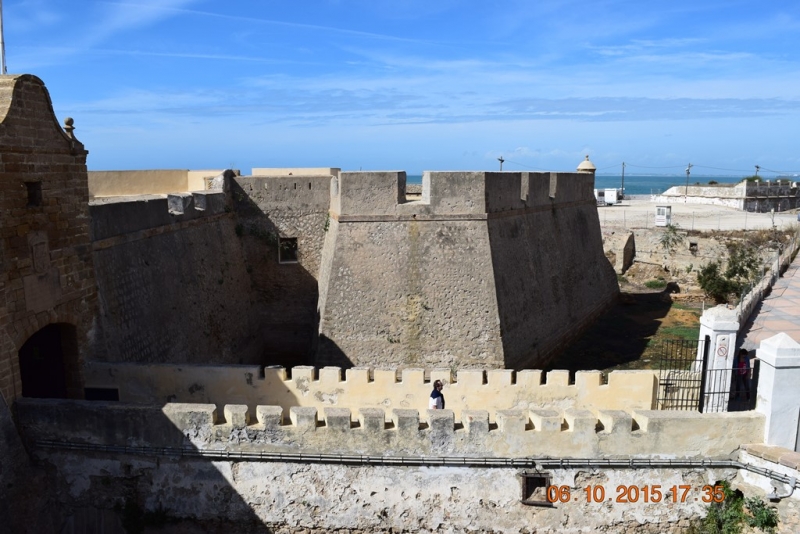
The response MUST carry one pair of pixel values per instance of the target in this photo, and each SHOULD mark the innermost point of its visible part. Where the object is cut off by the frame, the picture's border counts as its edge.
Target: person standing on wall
(436, 402)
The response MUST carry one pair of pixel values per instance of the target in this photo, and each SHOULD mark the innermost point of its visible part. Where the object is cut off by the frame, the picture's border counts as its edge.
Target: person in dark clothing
(742, 374)
(436, 402)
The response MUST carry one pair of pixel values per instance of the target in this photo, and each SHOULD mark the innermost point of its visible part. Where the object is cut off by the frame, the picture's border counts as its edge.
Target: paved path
(779, 312)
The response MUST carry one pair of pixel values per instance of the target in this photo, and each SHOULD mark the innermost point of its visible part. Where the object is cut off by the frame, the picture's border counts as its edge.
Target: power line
(648, 167)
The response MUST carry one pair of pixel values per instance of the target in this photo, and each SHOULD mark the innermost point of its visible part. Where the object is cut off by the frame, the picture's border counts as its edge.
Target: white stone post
(722, 325)
(779, 390)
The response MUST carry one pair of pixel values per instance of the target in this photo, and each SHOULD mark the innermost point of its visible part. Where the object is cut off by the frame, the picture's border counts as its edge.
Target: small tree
(743, 265)
(714, 283)
(742, 269)
(670, 238)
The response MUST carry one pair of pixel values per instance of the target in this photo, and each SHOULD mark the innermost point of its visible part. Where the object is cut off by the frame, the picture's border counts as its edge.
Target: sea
(639, 184)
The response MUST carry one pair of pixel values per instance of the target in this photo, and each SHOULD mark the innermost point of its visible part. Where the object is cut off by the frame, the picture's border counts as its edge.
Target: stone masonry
(47, 274)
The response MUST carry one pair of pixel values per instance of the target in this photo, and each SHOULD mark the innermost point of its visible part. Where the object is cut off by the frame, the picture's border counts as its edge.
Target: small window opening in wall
(101, 394)
(287, 250)
(534, 489)
(34, 194)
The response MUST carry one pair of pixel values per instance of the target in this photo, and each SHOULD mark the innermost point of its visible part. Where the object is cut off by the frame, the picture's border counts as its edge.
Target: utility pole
(623, 181)
(686, 193)
(501, 160)
(758, 168)
(3, 69)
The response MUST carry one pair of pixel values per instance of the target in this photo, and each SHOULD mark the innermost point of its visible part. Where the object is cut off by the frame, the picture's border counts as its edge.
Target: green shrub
(670, 238)
(761, 516)
(743, 267)
(713, 282)
(727, 516)
(659, 283)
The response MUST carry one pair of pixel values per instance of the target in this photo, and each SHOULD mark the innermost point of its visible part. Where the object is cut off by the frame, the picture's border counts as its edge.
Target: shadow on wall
(333, 354)
(289, 292)
(45, 490)
(165, 486)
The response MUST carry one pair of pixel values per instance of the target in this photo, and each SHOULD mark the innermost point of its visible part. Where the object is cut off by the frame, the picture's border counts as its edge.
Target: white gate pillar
(778, 391)
(721, 325)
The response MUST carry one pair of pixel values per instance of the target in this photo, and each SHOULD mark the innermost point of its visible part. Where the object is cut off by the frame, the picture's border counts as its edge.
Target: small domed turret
(587, 166)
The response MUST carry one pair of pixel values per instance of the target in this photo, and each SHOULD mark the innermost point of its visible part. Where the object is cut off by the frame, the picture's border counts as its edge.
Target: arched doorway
(48, 363)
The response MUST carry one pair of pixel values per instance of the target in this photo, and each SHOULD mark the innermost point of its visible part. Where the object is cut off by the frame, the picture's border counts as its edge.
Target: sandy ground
(641, 214)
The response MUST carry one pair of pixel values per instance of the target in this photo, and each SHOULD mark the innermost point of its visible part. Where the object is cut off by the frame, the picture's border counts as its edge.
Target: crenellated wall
(571, 433)
(174, 281)
(490, 390)
(487, 269)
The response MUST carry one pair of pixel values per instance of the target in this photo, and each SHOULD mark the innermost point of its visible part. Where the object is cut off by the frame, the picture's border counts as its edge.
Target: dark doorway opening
(48, 363)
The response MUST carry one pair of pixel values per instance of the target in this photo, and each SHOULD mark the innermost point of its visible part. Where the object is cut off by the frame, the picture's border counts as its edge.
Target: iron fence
(686, 383)
(681, 374)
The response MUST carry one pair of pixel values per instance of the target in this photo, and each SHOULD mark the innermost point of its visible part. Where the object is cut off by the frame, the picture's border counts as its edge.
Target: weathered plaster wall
(550, 276)
(300, 498)
(491, 390)
(46, 272)
(620, 249)
(411, 293)
(573, 433)
(26, 500)
(292, 494)
(269, 208)
(174, 283)
(487, 269)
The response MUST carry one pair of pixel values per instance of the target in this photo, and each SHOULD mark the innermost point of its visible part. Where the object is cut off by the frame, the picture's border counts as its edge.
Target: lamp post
(3, 69)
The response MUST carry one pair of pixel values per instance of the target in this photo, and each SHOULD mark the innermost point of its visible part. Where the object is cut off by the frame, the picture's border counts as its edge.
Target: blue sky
(420, 85)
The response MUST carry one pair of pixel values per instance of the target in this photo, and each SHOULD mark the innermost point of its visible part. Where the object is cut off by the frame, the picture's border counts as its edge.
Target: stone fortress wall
(407, 469)
(508, 262)
(173, 279)
(537, 433)
(485, 269)
(497, 269)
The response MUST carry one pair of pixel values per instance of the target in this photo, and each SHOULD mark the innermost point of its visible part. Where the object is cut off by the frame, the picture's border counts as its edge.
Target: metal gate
(681, 374)
(686, 383)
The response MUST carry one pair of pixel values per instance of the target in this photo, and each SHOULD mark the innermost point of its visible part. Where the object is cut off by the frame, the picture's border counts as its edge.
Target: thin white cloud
(296, 25)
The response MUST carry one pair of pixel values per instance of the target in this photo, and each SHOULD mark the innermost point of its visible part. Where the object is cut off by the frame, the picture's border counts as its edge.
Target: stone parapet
(517, 433)
(467, 389)
(125, 215)
(449, 194)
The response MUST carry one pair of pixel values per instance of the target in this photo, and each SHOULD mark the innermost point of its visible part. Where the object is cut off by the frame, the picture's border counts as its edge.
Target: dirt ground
(624, 337)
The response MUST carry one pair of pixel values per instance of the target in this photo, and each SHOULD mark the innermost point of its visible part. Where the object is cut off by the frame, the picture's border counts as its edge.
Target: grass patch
(659, 283)
(680, 332)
